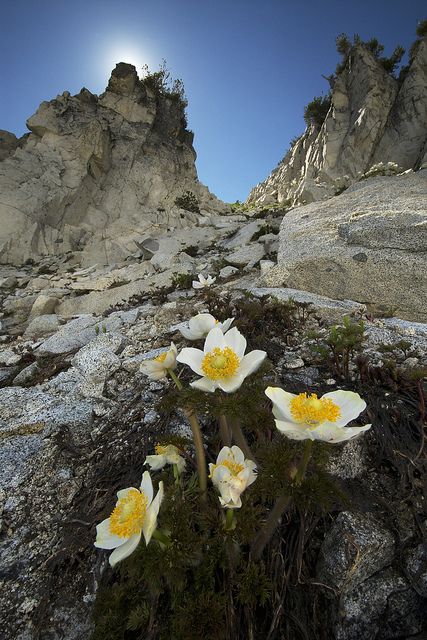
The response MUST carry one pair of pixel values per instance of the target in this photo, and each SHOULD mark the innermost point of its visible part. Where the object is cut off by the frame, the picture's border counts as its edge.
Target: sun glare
(125, 53)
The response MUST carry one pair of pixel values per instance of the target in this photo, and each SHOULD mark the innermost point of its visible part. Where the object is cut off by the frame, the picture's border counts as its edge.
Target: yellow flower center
(312, 410)
(160, 449)
(220, 363)
(161, 357)
(128, 515)
(234, 467)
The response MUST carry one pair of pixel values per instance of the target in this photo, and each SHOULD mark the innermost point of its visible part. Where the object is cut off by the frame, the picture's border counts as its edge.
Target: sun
(131, 54)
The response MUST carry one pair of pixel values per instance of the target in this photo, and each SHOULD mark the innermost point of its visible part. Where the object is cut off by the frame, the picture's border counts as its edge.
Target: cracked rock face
(372, 119)
(369, 244)
(96, 173)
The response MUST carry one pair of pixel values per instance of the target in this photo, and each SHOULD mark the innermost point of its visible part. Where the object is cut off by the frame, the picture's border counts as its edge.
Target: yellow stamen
(161, 357)
(160, 449)
(234, 467)
(220, 363)
(312, 410)
(129, 513)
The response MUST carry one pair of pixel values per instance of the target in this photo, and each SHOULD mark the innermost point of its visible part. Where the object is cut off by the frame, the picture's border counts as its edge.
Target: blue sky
(248, 66)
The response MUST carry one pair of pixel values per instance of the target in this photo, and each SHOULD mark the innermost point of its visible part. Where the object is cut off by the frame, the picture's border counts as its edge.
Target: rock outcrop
(369, 244)
(98, 175)
(373, 120)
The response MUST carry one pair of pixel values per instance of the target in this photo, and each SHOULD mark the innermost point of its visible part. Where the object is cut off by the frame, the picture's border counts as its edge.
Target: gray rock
(26, 375)
(43, 305)
(72, 336)
(354, 549)
(243, 236)
(227, 272)
(42, 325)
(386, 219)
(8, 357)
(96, 362)
(246, 256)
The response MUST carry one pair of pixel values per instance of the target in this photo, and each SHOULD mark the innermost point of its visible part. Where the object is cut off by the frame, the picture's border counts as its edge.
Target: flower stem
(224, 431)
(230, 522)
(302, 467)
(240, 439)
(197, 439)
(282, 503)
(175, 378)
(263, 537)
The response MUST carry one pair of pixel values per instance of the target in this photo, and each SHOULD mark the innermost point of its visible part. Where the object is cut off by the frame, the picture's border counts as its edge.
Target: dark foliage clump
(188, 201)
(315, 112)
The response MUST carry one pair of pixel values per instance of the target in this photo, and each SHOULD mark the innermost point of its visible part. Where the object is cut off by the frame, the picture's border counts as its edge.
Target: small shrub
(182, 281)
(421, 30)
(188, 201)
(316, 111)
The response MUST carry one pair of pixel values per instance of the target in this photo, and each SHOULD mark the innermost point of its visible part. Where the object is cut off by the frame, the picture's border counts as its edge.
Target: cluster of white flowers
(222, 364)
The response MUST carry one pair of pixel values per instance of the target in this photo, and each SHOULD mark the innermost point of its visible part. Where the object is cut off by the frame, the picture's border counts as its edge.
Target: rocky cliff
(98, 174)
(373, 119)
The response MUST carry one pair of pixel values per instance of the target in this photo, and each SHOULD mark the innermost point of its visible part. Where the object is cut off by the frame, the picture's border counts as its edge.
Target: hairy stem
(302, 467)
(224, 431)
(240, 439)
(263, 536)
(282, 503)
(197, 439)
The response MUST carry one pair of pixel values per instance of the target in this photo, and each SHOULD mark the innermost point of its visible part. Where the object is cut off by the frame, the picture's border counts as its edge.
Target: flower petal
(236, 341)
(202, 323)
(251, 362)
(238, 454)
(350, 404)
(156, 462)
(215, 338)
(333, 434)
(150, 520)
(193, 358)
(122, 552)
(204, 384)
(197, 285)
(224, 454)
(281, 400)
(293, 431)
(147, 486)
(231, 384)
(226, 324)
(105, 539)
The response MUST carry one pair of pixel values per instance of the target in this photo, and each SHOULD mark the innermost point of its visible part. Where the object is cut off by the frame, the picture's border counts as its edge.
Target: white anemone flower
(200, 325)
(231, 474)
(158, 368)
(222, 363)
(165, 454)
(134, 515)
(203, 282)
(303, 417)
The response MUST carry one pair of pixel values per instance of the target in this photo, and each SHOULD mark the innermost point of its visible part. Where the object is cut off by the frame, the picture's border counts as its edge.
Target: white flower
(302, 417)
(203, 282)
(200, 325)
(222, 364)
(168, 454)
(158, 368)
(135, 514)
(231, 474)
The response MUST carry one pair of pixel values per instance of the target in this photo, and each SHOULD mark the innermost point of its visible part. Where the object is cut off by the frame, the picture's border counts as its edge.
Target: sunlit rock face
(97, 174)
(372, 119)
(368, 244)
